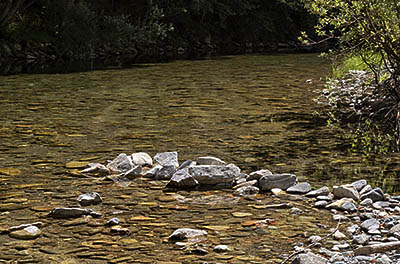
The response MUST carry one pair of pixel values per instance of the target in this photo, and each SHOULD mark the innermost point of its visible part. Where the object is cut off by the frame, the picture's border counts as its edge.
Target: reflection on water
(254, 111)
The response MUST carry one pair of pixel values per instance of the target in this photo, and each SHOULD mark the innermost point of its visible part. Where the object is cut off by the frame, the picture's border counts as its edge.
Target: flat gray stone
(323, 191)
(209, 161)
(141, 159)
(345, 191)
(309, 258)
(339, 203)
(301, 188)
(281, 181)
(256, 175)
(167, 159)
(182, 180)
(134, 172)
(377, 248)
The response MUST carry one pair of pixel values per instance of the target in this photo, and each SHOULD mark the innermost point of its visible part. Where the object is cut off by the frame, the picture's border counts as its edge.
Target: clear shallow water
(254, 111)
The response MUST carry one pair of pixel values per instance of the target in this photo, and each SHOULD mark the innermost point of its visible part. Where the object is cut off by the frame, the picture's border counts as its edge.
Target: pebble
(29, 232)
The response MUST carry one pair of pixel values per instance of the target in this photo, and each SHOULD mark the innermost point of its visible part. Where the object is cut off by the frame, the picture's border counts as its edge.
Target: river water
(255, 111)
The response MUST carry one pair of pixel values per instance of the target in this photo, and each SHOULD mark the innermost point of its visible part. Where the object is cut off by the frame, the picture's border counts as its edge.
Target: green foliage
(368, 36)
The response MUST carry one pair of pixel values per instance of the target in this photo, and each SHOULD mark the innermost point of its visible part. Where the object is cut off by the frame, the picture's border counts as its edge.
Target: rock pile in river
(371, 216)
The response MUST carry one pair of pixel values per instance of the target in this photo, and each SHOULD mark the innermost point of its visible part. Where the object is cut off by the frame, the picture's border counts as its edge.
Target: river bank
(39, 58)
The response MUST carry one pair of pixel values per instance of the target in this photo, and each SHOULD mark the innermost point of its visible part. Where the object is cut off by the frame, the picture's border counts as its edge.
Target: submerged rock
(186, 233)
(96, 168)
(29, 232)
(167, 159)
(281, 181)
(182, 180)
(65, 212)
(89, 199)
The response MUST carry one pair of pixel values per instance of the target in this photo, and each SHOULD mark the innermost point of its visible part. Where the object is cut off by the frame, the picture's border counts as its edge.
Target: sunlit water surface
(255, 111)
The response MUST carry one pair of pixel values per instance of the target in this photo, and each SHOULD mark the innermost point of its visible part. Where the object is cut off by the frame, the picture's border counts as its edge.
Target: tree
(9, 8)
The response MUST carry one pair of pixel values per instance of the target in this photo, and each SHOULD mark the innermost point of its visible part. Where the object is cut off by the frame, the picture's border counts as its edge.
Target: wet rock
(256, 175)
(247, 191)
(29, 232)
(301, 188)
(65, 212)
(214, 174)
(20, 227)
(281, 181)
(242, 178)
(89, 199)
(120, 164)
(221, 248)
(370, 224)
(323, 191)
(209, 161)
(375, 195)
(182, 180)
(186, 233)
(167, 159)
(345, 191)
(165, 173)
(113, 222)
(309, 258)
(361, 239)
(359, 185)
(96, 168)
(134, 172)
(141, 159)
